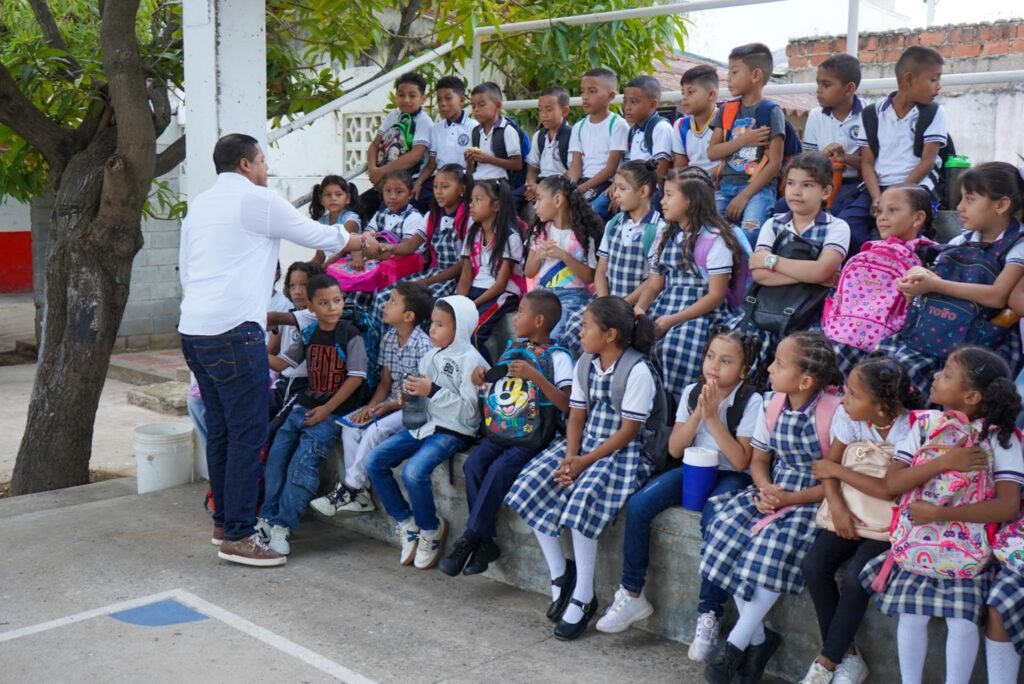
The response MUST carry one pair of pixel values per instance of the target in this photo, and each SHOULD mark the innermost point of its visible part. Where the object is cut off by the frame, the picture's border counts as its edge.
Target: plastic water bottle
(955, 167)
(414, 409)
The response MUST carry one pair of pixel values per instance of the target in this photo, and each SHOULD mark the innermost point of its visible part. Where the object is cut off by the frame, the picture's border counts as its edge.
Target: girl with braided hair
(874, 416)
(757, 539)
(563, 247)
(695, 259)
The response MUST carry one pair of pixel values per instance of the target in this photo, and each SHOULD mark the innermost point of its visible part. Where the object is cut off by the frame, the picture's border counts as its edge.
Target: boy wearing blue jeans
(335, 357)
(453, 418)
(752, 153)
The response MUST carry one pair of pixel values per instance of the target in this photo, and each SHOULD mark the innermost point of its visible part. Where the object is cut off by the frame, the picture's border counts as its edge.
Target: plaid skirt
(906, 592)
(571, 332)
(848, 356)
(769, 341)
(1007, 597)
(589, 504)
(739, 561)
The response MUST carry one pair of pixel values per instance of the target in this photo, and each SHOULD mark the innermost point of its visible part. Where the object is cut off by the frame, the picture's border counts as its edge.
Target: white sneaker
(705, 639)
(328, 504)
(624, 611)
(818, 675)
(263, 529)
(358, 501)
(428, 552)
(853, 670)
(279, 540)
(409, 535)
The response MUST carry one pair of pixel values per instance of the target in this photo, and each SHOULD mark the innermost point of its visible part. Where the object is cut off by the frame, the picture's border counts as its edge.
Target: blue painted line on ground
(159, 614)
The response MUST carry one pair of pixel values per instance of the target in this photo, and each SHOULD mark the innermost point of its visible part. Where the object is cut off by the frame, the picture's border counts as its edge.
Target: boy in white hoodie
(446, 377)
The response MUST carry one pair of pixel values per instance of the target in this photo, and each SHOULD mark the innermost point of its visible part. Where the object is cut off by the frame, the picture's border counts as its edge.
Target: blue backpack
(516, 179)
(939, 323)
(516, 412)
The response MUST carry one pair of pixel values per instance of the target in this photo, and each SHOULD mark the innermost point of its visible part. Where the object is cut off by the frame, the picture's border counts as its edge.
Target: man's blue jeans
(662, 493)
(424, 455)
(758, 208)
(231, 369)
(293, 466)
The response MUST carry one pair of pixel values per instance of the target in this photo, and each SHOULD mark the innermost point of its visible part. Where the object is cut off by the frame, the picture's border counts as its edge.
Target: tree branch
(53, 36)
(409, 15)
(52, 140)
(172, 155)
(156, 90)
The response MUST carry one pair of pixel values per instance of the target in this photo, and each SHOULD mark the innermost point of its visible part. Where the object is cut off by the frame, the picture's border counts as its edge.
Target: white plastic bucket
(163, 455)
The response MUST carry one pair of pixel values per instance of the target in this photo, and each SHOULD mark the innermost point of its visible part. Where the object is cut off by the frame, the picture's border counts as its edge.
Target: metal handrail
(349, 175)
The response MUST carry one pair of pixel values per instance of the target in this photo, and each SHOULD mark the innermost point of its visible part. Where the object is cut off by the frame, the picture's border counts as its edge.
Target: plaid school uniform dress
(817, 232)
(627, 269)
(1007, 596)
(680, 351)
(739, 561)
(847, 356)
(447, 250)
(601, 490)
(907, 592)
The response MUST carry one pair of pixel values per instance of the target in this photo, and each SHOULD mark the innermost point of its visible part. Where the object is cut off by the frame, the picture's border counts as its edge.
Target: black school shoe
(757, 658)
(567, 631)
(723, 669)
(567, 584)
(457, 557)
(486, 553)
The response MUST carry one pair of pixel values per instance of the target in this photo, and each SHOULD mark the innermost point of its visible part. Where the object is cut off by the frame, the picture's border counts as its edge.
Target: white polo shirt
(837, 233)
(823, 129)
(595, 141)
(693, 144)
(896, 157)
(544, 157)
(512, 149)
(449, 140)
(661, 143)
(230, 243)
(637, 399)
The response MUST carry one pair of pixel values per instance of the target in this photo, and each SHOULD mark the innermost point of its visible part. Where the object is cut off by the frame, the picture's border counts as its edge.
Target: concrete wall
(672, 587)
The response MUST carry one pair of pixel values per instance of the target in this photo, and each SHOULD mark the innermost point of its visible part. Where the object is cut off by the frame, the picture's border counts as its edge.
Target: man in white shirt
(229, 250)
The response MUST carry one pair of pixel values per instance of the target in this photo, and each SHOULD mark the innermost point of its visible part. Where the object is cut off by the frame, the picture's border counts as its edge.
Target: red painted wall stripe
(16, 262)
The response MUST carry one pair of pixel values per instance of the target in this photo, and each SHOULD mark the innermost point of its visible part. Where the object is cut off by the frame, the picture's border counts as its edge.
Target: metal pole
(474, 68)
(930, 17)
(853, 28)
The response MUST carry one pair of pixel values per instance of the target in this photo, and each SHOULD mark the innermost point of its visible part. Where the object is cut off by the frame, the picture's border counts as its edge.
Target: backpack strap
(620, 376)
(684, 130)
(734, 416)
(705, 241)
(691, 401)
(652, 122)
(341, 338)
(925, 117)
(650, 232)
(583, 373)
(869, 119)
(474, 136)
(825, 409)
(498, 147)
(773, 410)
(563, 137)
(730, 110)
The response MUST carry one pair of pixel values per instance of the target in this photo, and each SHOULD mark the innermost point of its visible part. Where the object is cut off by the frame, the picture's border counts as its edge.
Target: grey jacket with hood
(455, 406)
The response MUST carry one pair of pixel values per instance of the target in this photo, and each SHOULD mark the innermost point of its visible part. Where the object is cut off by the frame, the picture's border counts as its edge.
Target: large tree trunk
(95, 234)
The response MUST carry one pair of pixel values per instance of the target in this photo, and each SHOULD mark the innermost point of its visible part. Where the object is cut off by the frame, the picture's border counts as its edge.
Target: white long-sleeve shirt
(230, 243)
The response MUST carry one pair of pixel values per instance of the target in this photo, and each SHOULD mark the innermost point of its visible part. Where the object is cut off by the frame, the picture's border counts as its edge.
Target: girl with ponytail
(562, 247)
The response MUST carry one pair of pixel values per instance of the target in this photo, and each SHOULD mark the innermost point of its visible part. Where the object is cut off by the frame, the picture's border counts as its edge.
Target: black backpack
(926, 114)
(734, 416)
(781, 309)
(563, 137)
(515, 178)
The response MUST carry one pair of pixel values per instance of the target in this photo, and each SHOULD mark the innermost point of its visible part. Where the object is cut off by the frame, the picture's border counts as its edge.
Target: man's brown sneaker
(218, 536)
(250, 551)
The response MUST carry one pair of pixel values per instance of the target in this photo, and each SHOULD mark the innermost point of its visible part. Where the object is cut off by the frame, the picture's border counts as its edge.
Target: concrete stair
(165, 397)
(162, 377)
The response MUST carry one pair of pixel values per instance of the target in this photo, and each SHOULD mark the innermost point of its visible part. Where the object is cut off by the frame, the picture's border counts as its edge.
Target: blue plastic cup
(700, 473)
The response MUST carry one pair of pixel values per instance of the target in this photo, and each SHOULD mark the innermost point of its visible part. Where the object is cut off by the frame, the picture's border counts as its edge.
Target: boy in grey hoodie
(453, 418)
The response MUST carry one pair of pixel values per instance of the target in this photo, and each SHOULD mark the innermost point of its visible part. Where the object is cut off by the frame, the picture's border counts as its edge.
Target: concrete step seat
(672, 586)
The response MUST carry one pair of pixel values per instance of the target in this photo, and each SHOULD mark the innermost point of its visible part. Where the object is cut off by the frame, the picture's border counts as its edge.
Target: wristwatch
(770, 261)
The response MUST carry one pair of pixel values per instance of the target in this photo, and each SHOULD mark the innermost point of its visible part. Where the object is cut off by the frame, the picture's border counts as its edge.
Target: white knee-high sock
(912, 644)
(585, 551)
(1003, 662)
(749, 629)
(962, 639)
(551, 547)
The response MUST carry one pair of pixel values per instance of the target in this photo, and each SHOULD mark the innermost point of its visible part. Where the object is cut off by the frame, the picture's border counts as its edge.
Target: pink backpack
(737, 285)
(1008, 546)
(867, 307)
(376, 274)
(947, 550)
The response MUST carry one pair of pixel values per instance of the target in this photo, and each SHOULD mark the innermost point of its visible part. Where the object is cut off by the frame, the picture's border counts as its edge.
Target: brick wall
(151, 314)
(965, 45)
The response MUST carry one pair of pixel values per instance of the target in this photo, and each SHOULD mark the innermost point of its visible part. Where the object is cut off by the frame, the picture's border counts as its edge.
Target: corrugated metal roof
(668, 76)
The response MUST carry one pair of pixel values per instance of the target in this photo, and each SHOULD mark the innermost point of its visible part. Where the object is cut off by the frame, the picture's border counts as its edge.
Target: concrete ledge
(14, 506)
(672, 587)
(165, 397)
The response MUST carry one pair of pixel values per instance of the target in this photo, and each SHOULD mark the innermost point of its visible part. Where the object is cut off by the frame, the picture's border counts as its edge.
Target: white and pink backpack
(867, 307)
(943, 549)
